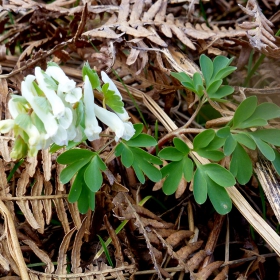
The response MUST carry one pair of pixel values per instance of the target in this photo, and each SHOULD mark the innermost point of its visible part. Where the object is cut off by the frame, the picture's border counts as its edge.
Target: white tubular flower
(111, 120)
(106, 79)
(129, 130)
(66, 85)
(92, 129)
(66, 119)
(6, 125)
(45, 116)
(58, 107)
(60, 138)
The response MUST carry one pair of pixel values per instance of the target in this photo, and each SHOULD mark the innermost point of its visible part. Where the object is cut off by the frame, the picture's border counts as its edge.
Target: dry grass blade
(267, 177)
(12, 240)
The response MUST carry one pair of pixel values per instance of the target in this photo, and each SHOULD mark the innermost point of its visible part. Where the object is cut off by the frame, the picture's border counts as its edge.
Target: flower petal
(111, 120)
(47, 118)
(58, 107)
(92, 129)
(6, 125)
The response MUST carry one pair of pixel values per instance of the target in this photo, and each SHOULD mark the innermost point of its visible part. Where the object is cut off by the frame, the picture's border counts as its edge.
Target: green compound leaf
(219, 197)
(181, 146)
(222, 92)
(93, 175)
(143, 162)
(241, 165)
(219, 63)
(213, 87)
(191, 87)
(138, 129)
(173, 173)
(223, 132)
(71, 156)
(142, 140)
(265, 149)
(171, 153)
(252, 123)
(187, 168)
(216, 143)
(203, 139)
(113, 100)
(83, 201)
(182, 77)
(200, 186)
(219, 174)
(211, 154)
(244, 139)
(86, 201)
(77, 185)
(126, 154)
(230, 145)
(92, 75)
(244, 111)
(206, 66)
(266, 111)
(225, 72)
(197, 80)
(271, 136)
(68, 172)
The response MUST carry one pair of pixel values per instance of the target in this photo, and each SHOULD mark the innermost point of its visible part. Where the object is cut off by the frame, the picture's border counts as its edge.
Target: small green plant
(52, 111)
(209, 83)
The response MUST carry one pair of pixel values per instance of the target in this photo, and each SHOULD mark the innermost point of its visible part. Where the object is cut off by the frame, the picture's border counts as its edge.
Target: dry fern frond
(260, 33)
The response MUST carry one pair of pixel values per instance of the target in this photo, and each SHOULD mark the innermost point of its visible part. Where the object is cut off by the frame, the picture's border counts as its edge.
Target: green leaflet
(219, 174)
(219, 197)
(244, 111)
(173, 173)
(71, 156)
(142, 140)
(199, 186)
(92, 75)
(203, 139)
(77, 186)
(241, 165)
(112, 99)
(68, 172)
(93, 175)
(207, 68)
(171, 153)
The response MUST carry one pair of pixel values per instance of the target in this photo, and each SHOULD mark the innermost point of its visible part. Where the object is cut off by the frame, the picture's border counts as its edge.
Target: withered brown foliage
(143, 41)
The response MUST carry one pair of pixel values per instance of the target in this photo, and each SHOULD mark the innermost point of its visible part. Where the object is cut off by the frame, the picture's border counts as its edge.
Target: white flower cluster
(53, 110)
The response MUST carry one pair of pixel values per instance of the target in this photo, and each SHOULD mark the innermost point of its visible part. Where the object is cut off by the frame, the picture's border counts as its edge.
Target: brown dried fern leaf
(259, 31)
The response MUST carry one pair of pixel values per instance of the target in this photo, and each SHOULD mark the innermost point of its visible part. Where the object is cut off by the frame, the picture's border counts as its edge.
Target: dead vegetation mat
(42, 235)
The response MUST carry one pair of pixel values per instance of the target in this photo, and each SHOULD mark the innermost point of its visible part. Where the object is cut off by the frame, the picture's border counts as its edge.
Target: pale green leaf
(199, 186)
(181, 146)
(173, 173)
(203, 139)
(73, 155)
(219, 197)
(244, 111)
(206, 66)
(241, 165)
(219, 174)
(170, 153)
